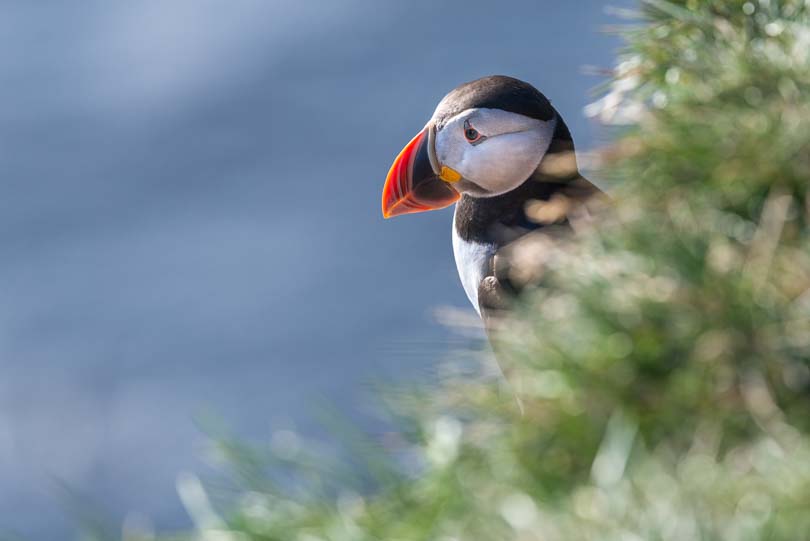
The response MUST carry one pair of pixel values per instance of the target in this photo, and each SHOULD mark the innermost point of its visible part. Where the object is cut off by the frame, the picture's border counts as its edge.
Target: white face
(507, 149)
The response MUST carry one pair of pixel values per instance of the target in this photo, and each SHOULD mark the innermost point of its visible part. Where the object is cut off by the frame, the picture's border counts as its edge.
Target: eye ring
(470, 133)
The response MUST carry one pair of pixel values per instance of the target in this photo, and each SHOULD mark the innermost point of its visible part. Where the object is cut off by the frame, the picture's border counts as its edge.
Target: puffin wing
(510, 271)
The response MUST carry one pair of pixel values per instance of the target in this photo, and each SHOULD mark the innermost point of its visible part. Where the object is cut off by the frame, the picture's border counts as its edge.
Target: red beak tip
(389, 212)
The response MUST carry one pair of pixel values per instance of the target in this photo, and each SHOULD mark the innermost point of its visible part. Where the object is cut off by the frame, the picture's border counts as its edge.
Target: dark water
(190, 222)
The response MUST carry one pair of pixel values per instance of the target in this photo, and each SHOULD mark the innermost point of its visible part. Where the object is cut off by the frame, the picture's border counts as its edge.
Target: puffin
(497, 149)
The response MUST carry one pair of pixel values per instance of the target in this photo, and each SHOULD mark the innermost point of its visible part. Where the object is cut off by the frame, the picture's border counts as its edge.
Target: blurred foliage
(664, 362)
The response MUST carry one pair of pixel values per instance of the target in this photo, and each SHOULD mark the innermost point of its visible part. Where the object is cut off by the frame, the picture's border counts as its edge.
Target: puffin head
(486, 138)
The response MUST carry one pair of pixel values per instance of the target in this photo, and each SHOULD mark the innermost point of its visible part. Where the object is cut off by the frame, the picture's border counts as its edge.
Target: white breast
(472, 260)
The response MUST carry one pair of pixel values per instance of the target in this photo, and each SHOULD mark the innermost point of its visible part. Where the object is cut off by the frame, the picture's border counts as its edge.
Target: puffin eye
(470, 133)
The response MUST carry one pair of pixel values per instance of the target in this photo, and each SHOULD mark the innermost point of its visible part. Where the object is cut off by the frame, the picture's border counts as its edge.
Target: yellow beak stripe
(449, 175)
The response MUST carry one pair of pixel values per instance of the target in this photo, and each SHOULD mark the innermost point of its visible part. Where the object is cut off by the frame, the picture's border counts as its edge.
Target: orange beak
(413, 185)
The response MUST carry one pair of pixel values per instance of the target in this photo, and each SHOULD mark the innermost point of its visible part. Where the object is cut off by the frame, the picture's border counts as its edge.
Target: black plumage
(495, 92)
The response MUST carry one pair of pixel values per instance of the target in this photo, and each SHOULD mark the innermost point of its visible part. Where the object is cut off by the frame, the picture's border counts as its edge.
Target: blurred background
(190, 222)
